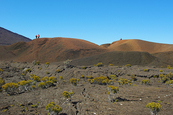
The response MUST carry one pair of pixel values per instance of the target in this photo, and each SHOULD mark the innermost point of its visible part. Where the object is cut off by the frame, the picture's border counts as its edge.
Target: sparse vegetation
(10, 88)
(146, 70)
(122, 81)
(161, 70)
(128, 65)
(47, 64)
(111, 64)
(154, 107)
(74, 81)
(53, 109)
(111, 92)
(28, 70)
(99, 64)
(35, 78)
(58, 70)
(145, 81)
(67, 94)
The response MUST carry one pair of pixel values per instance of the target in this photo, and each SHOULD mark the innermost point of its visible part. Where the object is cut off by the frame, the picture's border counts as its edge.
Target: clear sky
(97, 21)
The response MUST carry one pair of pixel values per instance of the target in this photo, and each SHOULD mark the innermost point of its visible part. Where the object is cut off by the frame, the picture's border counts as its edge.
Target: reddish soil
(140, 45)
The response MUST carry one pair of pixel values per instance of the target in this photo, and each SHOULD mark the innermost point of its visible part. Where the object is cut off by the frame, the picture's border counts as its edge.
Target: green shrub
(154, 107)
(102, 80)
(37, 63)
(112, 77)
(33, 87)
(53, 79)
(169, 83)
(122, 81)
(27, 70)
(2, 82)
(83, 67)
(146, 70)
(89, 77)
(44, 79)
(61, 78)
(47, 64)
(34, 106)
(133, 78)
(99, 64)
(35, 78)
(145, 81)
(74, 81)
(111, 64)
(82, 76)
(42, 85)
(22, 74)
(1, 70)
(161, 70)
(25, 85)
(112, 90)
(128, 65)
(53, 109)
(67, 94)
(164, 78)
(58, 70)
(10, 88)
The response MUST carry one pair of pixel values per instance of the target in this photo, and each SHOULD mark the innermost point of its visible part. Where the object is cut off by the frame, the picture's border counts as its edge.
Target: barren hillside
(7, 37)
(139, 45)
(51, 49)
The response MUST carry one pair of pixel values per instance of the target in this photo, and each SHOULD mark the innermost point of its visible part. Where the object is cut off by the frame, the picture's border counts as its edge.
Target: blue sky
(97, 21)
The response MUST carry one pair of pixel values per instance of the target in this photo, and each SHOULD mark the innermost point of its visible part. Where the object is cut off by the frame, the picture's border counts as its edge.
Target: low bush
(102, 80)
(2, 82)
(111, 64)
(53, 79)
(128, 65)
(169, 83)
(161, 71)
(99, 64)
(112, 90)
(47, 64)
(154, 107)
(82, 76)
(37, 63)
(133, 78)
(25, 85)
(53, 109)
(58, 70)
(61, 78)
(146, 70)
(35, 78)
(122, 81)
(74, 81)
(27, 70)
(10, 88)
(145, 81)
(90, 77)
(1, 71)
(44, 79)
(67, 94)
(42, 85)
(113, 77)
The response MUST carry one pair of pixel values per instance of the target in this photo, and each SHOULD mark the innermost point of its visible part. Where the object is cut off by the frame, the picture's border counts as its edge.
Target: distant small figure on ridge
(38, 36)
(120, 38)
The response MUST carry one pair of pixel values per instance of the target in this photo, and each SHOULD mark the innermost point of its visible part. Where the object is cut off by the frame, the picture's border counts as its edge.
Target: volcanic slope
(139, 45)
(120, 58)
(51, 50)
(7, 37)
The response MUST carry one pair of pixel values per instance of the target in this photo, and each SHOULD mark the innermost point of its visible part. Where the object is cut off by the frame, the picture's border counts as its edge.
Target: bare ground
(88, 99)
